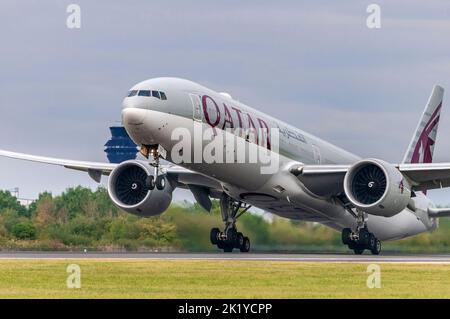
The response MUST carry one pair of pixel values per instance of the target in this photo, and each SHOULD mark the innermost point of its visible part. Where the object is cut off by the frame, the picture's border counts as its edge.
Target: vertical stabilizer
(421, 147)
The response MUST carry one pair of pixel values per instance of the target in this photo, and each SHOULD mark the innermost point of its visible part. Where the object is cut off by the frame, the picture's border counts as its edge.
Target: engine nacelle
(377, 188)
(129, 189)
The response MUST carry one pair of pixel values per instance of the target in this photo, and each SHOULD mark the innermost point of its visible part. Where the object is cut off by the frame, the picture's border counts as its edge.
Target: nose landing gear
(361, 239)
(230, 238)
(157, 180)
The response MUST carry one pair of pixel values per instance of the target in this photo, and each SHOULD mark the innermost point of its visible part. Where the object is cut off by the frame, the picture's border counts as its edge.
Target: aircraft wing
(326, 180)
(201, 186)
(427, 175)
(104, 168)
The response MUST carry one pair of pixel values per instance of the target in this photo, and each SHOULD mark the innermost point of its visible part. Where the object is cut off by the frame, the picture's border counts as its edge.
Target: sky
(313, 64)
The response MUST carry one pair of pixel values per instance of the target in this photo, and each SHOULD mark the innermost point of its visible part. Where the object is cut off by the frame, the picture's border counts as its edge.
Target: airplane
(368, 200)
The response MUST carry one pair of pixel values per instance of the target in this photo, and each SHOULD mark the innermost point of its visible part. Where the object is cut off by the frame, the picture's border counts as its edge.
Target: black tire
(364, 236)
(231, 236)
(150, 182)
(214, 235)
(358, 251)
(160, 182)
(372, 242)
(245, 248)
(239, 240)
(377, 248)
(228, 249)
(346, 232)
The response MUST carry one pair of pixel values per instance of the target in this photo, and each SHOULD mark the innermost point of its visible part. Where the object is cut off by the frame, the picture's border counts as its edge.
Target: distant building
(23, 201)
(120, 147)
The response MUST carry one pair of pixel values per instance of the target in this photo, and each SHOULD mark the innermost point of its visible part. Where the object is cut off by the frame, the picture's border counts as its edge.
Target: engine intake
(368, 184)
(131, 185)
(377, 188)
(129, 189)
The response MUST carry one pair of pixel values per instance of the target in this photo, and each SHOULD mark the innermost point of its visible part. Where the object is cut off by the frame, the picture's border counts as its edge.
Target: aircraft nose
(133, 116)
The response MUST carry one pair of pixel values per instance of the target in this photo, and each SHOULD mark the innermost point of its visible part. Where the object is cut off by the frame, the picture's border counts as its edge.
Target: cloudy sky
(315, 65)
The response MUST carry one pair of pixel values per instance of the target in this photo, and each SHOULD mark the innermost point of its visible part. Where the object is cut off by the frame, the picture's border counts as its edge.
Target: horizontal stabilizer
(438, 212)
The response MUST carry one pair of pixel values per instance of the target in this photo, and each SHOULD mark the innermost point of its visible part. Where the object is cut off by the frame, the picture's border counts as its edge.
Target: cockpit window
(149, 93)
(156, 94)
(132, 93)
(144, 93)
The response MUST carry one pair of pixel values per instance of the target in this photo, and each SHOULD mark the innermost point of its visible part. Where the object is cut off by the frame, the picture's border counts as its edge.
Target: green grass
(219, 279)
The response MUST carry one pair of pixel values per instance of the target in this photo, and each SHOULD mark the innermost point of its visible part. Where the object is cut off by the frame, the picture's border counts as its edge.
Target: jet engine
(377, 188)
(132, 188)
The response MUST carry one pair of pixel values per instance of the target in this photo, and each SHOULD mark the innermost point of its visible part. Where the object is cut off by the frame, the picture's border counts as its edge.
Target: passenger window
(156, 94)
(132, 93)
(144, 93)
(163, 96)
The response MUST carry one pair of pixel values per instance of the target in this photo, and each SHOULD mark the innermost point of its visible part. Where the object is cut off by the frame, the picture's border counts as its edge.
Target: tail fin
(421, 147)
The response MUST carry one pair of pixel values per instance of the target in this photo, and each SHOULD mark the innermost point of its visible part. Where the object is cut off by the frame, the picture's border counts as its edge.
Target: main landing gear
(230, 238)
(361, 239)
(157, 180)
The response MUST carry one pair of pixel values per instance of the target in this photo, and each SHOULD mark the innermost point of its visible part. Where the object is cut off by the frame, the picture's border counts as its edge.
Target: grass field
(219, 279)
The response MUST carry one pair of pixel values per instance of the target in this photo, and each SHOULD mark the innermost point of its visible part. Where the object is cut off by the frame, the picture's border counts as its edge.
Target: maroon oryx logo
(422, 151)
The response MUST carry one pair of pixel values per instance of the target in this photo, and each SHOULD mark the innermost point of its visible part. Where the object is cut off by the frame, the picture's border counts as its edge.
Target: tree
(73, 201)
(104, 205)
(9, 201)
(24, 230)
(33, 206)
(45, 211)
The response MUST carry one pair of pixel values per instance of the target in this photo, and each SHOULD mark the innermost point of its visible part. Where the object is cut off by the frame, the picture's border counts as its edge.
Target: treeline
(81, 219)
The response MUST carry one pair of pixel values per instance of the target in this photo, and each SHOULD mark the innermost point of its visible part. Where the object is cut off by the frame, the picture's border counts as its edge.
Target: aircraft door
(197, 107)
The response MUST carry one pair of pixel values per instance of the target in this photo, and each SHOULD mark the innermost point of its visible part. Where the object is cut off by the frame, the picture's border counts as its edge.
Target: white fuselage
(190, 106)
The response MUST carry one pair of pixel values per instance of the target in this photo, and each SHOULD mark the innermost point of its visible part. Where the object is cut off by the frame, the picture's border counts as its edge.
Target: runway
(385, 258)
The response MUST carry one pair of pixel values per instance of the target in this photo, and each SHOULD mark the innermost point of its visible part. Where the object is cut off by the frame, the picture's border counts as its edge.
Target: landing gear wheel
(346, 233)
(239, 240)
(377, 248)
(372, 242)
(228, 249)
(214, 236)
(245, 248)
(230, 238)
(160, 182)
(352, 245)
(150, 182)
(364, 238)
